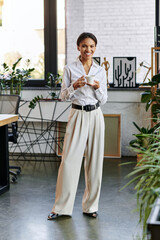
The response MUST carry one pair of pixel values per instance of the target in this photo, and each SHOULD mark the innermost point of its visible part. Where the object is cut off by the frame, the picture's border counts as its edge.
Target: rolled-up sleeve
(101, 92)
(67, 89)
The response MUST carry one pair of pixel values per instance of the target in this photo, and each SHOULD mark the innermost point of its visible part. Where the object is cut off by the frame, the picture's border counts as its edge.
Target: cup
(90, 78)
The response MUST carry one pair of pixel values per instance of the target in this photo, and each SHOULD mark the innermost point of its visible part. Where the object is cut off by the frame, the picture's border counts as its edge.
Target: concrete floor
(24, 208)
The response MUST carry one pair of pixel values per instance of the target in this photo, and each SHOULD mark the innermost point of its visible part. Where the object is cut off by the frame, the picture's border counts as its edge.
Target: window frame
(157, 13)
(50, 43)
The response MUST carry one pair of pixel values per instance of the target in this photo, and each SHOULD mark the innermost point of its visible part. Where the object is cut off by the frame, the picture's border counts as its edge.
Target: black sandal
(53, 216)
(93, 215)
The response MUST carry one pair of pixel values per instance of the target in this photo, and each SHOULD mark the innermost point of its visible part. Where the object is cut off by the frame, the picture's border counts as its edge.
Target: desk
(5, 119)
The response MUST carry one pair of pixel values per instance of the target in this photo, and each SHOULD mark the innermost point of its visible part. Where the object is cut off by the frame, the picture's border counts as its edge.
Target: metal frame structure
(45, 137)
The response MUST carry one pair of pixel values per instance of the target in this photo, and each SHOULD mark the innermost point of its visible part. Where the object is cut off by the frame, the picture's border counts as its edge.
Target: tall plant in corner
(152, 96)
(146, 177)
(146, 173)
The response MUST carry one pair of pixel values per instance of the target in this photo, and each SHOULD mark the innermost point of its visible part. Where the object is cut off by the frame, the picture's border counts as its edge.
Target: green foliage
(13, 78)
(53, 79)
(151, 98)
(143, 139)
(146, 174)
(34, 101)
(52, 82)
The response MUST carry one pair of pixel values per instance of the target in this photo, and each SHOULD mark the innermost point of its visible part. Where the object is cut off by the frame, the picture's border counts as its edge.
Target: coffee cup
(90, 79)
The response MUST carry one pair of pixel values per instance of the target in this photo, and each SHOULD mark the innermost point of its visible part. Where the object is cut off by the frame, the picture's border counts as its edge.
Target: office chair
(9, 104)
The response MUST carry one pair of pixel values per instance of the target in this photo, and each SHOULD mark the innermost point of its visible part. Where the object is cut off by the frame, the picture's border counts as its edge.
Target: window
(61, 34)
(30, 29)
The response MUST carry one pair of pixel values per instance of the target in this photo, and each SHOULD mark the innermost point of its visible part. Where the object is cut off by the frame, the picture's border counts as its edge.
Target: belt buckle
(88, 108)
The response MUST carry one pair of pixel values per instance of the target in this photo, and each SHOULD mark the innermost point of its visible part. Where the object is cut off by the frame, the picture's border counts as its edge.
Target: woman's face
(87, 48)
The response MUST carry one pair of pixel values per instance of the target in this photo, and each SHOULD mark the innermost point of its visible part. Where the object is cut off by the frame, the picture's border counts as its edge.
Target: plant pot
(153, 222)
(139, 157)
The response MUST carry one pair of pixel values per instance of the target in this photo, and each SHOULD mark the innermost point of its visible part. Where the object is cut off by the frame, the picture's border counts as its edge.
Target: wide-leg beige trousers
(84, 133)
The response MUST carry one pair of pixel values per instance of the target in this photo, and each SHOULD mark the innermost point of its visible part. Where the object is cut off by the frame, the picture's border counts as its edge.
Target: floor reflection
(24, 209)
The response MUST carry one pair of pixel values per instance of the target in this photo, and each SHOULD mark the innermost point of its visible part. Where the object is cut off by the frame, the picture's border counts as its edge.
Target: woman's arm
(67, 89)
(101, 92)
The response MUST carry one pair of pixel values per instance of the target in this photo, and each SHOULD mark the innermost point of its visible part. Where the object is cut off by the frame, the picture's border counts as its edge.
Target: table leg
(4, 159)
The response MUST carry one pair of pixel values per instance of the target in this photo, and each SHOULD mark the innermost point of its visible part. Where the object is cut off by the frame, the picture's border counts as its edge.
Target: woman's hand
(79, 83)
(95, 85)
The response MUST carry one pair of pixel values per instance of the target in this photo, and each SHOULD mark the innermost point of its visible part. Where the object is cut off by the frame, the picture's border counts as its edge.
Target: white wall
(126, 103)
(123, 28)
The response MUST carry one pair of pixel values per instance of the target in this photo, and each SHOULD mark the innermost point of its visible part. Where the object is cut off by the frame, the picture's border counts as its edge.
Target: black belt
(87, 108)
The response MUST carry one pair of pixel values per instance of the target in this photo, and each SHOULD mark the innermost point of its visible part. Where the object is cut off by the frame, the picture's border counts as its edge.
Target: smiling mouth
(88, 54)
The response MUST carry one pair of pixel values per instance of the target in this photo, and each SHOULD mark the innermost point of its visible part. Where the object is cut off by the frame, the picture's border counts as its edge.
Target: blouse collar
(93, 62)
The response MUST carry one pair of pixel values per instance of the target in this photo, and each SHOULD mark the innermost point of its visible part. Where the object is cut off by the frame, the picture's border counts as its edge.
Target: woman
(84, 132)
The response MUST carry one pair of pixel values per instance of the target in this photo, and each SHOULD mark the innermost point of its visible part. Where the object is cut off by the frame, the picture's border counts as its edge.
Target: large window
(61, 34)
(30, 29)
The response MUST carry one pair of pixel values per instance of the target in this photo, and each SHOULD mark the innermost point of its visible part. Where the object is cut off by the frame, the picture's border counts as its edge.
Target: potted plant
(143, 139)
(152, 96)
(53, 82)
(146, 173)
(146, 177)
(14, 78)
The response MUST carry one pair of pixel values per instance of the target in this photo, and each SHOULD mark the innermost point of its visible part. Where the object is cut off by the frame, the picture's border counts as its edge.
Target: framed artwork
(112, 145)
(97, 60)
(124, 72)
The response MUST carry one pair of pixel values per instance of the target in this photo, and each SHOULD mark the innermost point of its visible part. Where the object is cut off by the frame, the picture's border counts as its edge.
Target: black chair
(9, 104)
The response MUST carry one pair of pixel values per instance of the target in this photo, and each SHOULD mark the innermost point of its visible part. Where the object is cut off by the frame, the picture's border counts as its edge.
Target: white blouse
(85, 95)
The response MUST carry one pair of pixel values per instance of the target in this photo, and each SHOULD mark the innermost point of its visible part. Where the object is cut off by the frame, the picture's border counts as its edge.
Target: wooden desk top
(7, 118)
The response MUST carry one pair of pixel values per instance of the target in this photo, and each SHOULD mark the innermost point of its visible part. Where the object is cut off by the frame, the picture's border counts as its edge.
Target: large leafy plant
(143, 139)
(152, 96)
(146, 174)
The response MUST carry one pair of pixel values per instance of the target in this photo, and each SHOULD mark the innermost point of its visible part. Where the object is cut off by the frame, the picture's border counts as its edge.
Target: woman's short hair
(85, 35)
